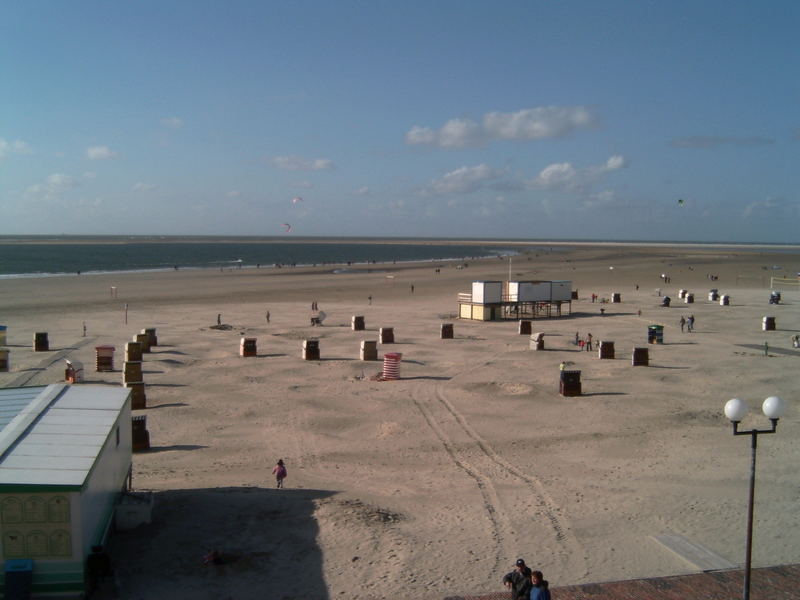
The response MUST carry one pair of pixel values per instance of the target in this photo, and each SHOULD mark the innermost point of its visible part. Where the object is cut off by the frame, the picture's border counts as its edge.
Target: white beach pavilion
(65, 458)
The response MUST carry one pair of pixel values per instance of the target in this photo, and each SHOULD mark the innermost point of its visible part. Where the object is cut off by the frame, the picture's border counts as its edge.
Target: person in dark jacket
(540, 589)
(519, 581)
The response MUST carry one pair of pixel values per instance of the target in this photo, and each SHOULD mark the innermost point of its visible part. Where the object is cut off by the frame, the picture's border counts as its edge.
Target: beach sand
(431, 486)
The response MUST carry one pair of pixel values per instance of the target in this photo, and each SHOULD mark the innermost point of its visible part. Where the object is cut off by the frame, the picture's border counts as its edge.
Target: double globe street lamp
(735, 409)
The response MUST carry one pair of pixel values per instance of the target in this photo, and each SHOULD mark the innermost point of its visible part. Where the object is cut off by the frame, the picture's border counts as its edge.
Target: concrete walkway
(769, 583)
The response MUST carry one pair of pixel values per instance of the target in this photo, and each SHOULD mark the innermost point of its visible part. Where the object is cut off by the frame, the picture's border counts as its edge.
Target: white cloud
(463, 180)
(53, 187)
(144, 187)
(298, 163)
(537, 123)
(456, 133)
(528, 124)
(172, 122)
(615, 162)
(16, 147)
(100, 153)
(421, 135)
(363, 191)
(780, 208)
(565, 176)
(557, 175)
(605, 198)
(234, 194)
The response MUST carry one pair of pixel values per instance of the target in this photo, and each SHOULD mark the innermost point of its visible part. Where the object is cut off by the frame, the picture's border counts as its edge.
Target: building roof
(52, 435)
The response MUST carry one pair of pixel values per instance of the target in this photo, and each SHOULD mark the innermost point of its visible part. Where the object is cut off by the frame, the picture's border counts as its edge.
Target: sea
(40, 256)
(65, 256)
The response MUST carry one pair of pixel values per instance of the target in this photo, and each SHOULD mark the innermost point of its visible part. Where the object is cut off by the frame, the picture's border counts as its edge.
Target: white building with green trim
(65, 457)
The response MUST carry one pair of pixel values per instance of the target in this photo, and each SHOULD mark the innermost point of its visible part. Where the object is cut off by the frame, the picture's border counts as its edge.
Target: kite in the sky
(680, 201)
(296, 199)
(287, 228)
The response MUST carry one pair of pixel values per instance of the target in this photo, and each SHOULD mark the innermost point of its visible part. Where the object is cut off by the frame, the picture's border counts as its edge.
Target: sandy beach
(432, 485)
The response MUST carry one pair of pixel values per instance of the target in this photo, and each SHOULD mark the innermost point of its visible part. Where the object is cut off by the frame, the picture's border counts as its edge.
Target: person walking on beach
(577, 338)
(369, 298)
(219, 318)
(279, 470)
(267, 316)
(588, 342)
(690, 323)
(682, 322)
(519, 581)
(540, 588)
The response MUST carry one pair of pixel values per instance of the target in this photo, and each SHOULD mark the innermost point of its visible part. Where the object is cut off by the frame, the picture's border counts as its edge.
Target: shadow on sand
(265, 538)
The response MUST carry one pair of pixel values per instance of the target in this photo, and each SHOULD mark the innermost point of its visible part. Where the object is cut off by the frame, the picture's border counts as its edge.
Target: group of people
(687, 323)
(526, 584)
(584, 344)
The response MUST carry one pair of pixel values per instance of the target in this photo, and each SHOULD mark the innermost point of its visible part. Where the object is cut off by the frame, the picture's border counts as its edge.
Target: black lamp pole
(753, 433)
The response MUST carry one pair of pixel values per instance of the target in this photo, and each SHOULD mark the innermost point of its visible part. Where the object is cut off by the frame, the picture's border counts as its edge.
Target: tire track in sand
(571, 551)
(499, 527)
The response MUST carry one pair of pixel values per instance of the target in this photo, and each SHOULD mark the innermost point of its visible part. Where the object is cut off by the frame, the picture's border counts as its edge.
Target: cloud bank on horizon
(548, 120)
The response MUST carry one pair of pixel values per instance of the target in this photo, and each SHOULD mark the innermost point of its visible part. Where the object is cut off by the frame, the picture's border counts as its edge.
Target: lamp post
(735, 409)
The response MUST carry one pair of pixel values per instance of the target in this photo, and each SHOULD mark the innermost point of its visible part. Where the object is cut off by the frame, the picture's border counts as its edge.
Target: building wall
(105, 482)
(562, 290)
(486, 292)
(37, 525)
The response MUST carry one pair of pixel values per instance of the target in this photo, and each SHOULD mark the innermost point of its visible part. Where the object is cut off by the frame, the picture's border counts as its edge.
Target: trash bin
(655, 334)
(19, 577)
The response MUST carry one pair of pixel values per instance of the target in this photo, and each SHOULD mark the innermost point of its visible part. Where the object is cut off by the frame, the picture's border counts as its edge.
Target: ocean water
(44, 259)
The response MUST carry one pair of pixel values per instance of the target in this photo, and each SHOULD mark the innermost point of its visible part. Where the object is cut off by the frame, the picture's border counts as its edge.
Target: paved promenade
(769, 583)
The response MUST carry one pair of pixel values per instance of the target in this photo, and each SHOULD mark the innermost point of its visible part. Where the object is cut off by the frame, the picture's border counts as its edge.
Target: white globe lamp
(774, 407)
(735, 409)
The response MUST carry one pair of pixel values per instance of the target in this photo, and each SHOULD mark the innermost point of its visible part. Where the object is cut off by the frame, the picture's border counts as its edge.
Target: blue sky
(537, 119)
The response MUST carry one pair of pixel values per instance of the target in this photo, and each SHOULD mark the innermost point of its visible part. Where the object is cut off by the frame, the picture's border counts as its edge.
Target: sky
(539, 119)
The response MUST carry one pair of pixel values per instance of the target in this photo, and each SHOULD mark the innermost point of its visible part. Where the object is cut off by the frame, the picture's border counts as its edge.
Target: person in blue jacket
(540, 589)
